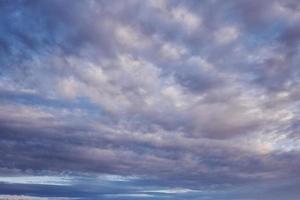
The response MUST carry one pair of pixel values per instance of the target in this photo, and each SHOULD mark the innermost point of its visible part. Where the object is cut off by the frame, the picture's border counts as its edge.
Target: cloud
(226, 35)
(156, 99)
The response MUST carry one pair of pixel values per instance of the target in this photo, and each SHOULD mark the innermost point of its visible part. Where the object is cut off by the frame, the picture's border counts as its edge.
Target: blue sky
(150, 99)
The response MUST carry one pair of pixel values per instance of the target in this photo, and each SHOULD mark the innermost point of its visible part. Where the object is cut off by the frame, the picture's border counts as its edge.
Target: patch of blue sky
(37, 180)
(266, 36)
(36, 100)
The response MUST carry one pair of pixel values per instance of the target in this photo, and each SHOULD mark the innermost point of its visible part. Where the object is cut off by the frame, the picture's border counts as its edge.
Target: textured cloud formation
(149, 99)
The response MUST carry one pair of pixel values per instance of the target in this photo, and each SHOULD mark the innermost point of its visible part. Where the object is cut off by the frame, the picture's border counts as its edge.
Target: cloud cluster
(197, 95)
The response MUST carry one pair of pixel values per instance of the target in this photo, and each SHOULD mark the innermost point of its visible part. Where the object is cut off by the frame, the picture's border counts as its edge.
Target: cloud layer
(169, 99)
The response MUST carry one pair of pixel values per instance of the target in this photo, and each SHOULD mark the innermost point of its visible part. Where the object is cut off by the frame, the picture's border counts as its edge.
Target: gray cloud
(193, 95)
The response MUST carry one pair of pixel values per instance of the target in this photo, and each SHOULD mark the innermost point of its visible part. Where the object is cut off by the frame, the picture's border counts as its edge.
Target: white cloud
(172, 191)
(225, 35)
(40, 180)
(201, 63)
(291, 13)
(171, 51)
(68, 87)
(131, 37)
(186, 18)
(140, 195)
(27, 197)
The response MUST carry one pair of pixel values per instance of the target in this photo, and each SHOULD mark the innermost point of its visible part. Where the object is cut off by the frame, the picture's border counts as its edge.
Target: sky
(149, 99)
